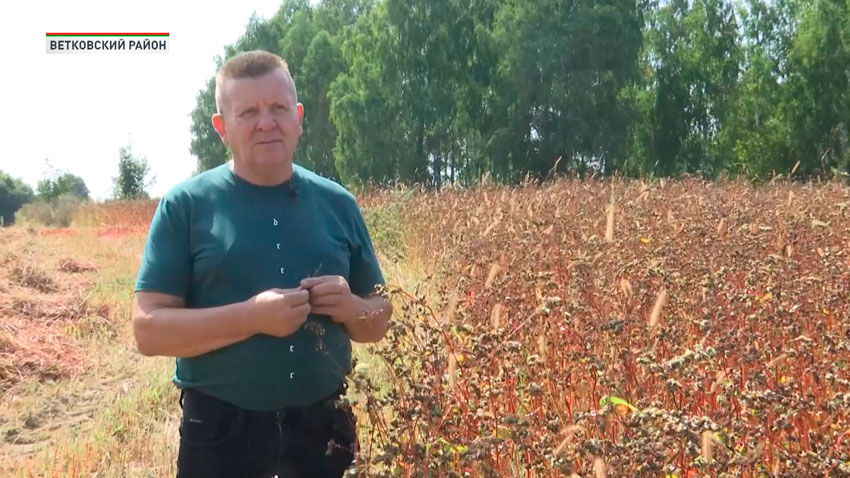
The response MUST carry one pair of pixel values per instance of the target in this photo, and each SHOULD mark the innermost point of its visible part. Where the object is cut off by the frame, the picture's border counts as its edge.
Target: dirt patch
(36, 429)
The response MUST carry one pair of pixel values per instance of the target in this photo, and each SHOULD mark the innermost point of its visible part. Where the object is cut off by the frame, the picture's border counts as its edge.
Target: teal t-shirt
(217, 239)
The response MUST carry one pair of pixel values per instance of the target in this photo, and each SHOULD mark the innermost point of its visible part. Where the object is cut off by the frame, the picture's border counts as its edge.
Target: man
(256, 276)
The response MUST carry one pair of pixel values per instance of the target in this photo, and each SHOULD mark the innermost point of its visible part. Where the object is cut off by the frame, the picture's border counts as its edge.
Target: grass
(115, 416)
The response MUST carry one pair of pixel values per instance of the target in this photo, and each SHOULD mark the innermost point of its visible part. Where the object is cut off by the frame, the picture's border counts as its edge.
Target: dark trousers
(220, 440)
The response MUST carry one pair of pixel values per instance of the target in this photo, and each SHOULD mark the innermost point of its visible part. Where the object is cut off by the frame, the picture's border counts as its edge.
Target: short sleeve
(166, 262)
(365, 272)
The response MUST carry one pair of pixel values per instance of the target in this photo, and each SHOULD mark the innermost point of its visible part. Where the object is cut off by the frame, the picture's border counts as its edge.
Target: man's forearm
(183, 332)
(372, 323)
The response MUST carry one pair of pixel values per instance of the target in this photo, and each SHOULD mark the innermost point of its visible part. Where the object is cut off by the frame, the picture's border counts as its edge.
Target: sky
(76, 110)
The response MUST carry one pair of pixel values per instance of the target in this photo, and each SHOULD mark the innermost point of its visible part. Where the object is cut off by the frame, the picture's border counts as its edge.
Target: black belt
(213, 401)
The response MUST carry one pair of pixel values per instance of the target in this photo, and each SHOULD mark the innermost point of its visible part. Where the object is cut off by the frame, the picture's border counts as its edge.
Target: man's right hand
(278, 312)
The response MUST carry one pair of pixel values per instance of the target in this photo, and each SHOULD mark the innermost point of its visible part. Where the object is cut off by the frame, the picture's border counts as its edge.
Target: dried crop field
(672, 329)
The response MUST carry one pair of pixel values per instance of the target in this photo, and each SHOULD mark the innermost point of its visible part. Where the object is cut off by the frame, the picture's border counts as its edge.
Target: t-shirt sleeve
(365, 272)
(166, 262)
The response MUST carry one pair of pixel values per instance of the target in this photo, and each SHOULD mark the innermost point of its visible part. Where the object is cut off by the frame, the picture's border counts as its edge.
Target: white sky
(77, 109)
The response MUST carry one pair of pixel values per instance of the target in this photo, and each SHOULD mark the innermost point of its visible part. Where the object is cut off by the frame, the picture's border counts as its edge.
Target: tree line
(446, 91)
(60, 192)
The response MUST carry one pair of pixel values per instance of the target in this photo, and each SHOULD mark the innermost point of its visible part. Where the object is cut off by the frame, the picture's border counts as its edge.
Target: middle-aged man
(256, 276)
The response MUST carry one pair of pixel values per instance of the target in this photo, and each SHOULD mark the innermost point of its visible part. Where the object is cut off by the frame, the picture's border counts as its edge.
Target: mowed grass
(90, 403)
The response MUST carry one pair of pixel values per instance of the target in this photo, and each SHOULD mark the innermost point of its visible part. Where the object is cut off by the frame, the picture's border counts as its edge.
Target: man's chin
(272, 161)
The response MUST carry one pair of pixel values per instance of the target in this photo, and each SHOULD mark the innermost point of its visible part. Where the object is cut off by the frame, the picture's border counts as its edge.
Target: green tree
(695, 59)
(447, 90)
(14, 193)
(132, 180)
(757, 129)
(817, 101)
(560, 82)
(321, 66)
(206, 144)
(312, 46)
(60, 183)
(365, 105)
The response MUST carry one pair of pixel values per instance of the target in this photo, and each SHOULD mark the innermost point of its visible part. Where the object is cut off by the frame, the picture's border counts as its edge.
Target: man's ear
(218, 124)
(300, 108)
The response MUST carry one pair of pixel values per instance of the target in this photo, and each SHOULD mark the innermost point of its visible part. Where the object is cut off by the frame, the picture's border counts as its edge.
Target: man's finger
(325, 300)
(298, 297)
(309, 282)
(326, 288)
(302, 310)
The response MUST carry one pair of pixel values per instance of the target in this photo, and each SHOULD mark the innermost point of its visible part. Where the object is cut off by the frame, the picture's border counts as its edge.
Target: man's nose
(266, 121)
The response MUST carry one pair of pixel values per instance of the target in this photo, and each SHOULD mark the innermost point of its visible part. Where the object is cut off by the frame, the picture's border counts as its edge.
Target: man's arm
(163, 325)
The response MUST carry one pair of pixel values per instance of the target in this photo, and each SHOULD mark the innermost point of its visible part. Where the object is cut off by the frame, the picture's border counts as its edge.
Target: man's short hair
(250, 64)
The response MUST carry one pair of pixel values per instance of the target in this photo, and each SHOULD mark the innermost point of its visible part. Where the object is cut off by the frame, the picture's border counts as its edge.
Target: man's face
(260, 121)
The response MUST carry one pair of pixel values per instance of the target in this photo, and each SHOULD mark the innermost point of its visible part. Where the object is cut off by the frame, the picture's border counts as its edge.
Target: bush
(384, 222)
(56, 213)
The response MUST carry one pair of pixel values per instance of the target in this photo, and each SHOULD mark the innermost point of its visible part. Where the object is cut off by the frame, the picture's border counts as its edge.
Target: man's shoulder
(199, 185)
(323, 186)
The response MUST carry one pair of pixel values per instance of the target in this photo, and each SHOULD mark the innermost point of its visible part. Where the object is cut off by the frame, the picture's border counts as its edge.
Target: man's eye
(249, 112)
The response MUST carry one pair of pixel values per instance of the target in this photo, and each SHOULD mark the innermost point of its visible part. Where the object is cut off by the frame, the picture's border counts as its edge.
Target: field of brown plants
(669, 329)
(621, 329)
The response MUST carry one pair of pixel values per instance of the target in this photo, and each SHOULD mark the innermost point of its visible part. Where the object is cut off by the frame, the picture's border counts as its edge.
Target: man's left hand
(331, 296)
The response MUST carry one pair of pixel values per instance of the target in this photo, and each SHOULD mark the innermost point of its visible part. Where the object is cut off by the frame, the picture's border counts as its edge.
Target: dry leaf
(542, 346)
(568, 433)
(656, 310)
(609, 229)
(496, 316)
(707, 446)
(452, 370)
(794, 170)
(451, 308)
(777, 360)
(599, 468)
(626, 287)
(494, 270)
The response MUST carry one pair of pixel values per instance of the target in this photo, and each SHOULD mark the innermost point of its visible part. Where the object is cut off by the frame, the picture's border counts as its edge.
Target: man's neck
(262, 177)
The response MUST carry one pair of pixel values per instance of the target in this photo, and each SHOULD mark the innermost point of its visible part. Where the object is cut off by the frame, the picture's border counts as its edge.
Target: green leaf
(612, 400)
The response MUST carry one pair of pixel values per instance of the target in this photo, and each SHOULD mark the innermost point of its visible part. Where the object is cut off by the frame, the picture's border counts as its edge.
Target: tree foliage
(14, 193)
(62, 182)
(133, 178)
(445, 91)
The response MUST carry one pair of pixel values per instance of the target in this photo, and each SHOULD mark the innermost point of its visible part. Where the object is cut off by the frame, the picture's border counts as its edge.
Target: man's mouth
(269, 142)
